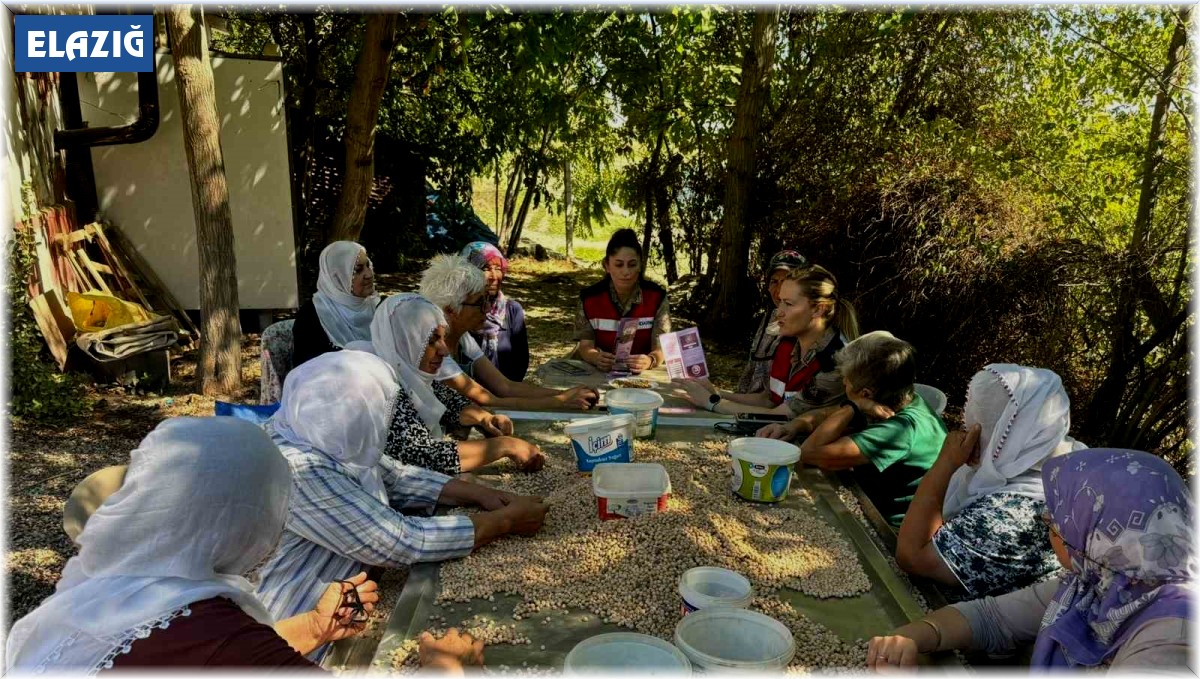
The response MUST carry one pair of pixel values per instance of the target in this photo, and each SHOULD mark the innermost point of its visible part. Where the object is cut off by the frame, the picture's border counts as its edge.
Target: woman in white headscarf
(975, 519)
(164, 570)
(409, 333)
(341, 310)
(349, 499)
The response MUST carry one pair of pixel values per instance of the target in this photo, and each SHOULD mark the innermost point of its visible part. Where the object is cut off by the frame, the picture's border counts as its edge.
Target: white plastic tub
(709, 586)
(762, 468)
(632, 489)
(733, 639)
(601, 439)
(643, 404)
(638, 654)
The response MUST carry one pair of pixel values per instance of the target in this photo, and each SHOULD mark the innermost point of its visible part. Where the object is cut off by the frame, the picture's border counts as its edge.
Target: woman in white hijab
(346, 511)
(409, 333)
(164, 570)
(975, 519)
(341, 310)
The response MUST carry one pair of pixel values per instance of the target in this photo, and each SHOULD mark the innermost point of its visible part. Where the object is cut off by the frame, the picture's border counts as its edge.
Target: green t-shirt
(901, 449)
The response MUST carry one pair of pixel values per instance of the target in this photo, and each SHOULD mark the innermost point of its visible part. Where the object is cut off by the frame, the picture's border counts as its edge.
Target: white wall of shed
(145, 188)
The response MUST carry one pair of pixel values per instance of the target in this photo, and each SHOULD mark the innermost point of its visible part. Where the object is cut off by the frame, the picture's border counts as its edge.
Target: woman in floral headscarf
(1120, 522)
(503, 337)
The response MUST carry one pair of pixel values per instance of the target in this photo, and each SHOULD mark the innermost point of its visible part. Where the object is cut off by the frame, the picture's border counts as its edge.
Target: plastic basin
(708, 586)
(640, 653)
(643, 404)
(762, 468)
(632, 489)
(734, 639)
(601, 439)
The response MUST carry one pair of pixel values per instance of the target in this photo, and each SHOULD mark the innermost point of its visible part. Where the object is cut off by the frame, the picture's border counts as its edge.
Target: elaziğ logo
(118, 43)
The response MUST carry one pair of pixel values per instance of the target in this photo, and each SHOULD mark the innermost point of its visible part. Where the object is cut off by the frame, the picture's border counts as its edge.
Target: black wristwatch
(713, 400)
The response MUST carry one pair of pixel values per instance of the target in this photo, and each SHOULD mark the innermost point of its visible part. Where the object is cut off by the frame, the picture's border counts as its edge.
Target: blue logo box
(119, 43)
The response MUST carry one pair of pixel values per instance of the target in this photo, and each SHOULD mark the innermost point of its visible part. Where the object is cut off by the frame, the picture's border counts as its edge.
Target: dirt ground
(45, 464)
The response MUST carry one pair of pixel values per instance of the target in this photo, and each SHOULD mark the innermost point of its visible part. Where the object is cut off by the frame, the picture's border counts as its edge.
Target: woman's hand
(886, 653)
(583, 398)
(873, 411)
(524, 453)
(962, 447)
(777, 430)
(493, 424)
(639, 362)
(495, 499)
(330, 620)
(450, 653)
(526, 514)
(602, 360)
(696, 391)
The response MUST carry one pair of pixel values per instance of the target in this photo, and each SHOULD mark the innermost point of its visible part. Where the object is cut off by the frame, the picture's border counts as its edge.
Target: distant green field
(548, 227)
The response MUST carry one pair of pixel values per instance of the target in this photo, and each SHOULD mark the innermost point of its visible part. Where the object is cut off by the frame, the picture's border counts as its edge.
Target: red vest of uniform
(604, 316)
(783, 386)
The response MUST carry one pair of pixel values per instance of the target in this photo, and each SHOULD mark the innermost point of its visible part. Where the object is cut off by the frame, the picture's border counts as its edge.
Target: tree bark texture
(370, 81)
(531, 180)
(221, 345)
(731, 282)
(568, 209)
(1105, 409)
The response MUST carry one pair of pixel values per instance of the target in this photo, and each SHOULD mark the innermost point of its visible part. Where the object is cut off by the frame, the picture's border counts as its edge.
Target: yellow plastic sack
(96, 311)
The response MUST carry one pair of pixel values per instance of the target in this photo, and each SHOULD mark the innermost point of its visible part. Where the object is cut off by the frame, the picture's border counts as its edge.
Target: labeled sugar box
(643, 404)
(632, 489)
(601, 439)
(762, 468)
(709, 586)
(724, 639)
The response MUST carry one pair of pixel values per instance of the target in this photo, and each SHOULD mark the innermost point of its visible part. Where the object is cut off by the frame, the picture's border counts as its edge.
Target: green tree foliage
(988, 184)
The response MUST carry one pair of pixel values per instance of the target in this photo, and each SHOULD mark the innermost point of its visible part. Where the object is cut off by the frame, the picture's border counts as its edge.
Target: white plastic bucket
(708, 586)
(643, 404)
(732, 639)
(639, 653)
(632, 489)
(601, 439)
(762, 468)
(934, 398)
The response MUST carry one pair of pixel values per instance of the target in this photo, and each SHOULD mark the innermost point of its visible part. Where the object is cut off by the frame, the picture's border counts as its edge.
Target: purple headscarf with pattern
(481, 254)
(1125, 517)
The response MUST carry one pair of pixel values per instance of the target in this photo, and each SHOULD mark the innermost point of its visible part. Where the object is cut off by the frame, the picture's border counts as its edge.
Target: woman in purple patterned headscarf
(1123, 521)
(503, 337)
(1121, 525)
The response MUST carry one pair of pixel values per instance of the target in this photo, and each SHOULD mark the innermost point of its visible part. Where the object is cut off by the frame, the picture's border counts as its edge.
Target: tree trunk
(650, 179)
(1102, 412)
(531, 179)
(511, 192)
(370, 81)
(662, 204)
(514, 238)
(221, 345)
(568, 208)
(731, 283)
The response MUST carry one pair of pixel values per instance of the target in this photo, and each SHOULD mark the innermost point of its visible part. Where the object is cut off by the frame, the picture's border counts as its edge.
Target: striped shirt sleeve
(333, 511)
(409, 487)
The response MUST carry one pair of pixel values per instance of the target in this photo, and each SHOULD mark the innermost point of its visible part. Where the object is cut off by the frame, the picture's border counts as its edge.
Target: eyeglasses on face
(482, 304)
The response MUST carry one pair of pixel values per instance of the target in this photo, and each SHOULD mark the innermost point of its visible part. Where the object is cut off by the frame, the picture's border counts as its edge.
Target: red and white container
(630, 489)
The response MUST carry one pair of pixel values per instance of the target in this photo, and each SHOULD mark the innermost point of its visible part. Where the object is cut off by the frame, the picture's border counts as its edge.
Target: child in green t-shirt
(885, 431)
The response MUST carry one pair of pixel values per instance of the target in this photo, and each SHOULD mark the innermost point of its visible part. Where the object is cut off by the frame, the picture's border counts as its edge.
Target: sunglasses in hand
(358, 612)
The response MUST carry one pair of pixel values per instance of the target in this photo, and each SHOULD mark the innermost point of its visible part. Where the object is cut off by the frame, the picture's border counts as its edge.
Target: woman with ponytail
(813, 321)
